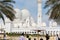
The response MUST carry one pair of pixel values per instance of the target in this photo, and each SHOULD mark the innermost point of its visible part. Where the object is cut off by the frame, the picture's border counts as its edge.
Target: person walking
(47, 37)
(41, 39)
(22, 37)
(27, 37)
(57, 37)
(4, 38)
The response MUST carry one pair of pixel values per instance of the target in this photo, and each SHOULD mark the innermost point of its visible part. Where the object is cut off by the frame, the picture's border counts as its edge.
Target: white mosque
(24, 22)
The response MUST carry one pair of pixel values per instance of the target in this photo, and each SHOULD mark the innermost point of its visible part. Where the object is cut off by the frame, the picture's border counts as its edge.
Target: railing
(37, 28)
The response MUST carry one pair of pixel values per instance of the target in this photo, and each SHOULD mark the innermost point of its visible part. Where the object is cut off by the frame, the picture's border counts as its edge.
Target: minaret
(39, 20)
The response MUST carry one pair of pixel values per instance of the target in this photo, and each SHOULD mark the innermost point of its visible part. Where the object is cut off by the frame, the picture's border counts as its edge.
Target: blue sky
(31, 5)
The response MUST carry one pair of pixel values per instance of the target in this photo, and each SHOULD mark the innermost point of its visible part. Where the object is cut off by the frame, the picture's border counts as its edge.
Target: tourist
(47, 37)
(4, 36)
(34, 38)
(27, 37)
(57, 37)
(22, 37)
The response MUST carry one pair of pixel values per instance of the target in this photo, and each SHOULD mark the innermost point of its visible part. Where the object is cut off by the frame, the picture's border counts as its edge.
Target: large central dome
(25, 14)
(21, 14)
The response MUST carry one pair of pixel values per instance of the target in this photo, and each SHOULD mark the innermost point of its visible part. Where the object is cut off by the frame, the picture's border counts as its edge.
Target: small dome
(17, 10)
(44, 24)
(34, 24)
(7, 20)
(54, 24)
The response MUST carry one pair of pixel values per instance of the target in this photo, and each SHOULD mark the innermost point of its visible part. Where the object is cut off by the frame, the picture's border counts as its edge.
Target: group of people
(47, 37)
(22, 37)
(28, 38)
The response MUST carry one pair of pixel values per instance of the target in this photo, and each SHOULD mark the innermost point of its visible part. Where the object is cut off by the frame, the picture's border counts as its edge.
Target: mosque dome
(18, 13)
(25, 13)
(44, 24)
(21, 14)
(34, 24)
(7, 20)
(54, 24)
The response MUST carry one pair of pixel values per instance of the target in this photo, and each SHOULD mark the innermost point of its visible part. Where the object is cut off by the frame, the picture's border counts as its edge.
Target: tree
(6, 8)
(54, 8)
